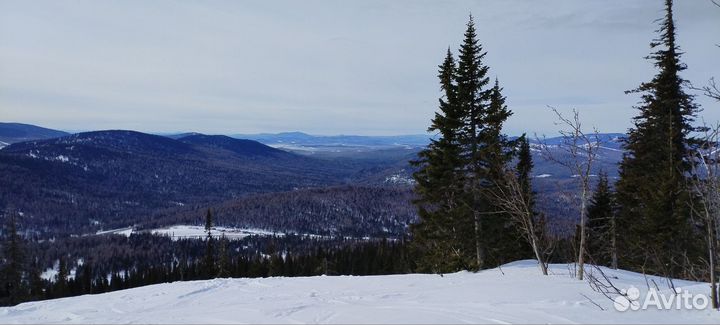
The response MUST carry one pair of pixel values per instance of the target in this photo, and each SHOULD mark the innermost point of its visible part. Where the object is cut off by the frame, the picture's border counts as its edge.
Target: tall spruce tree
(485, 149)
(499, 236)
(209, 259)
(437, 238)
(473, 97)
(459, 226)
(652, 191)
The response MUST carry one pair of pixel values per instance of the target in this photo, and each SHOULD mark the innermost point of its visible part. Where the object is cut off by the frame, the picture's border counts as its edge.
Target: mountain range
(73, 184)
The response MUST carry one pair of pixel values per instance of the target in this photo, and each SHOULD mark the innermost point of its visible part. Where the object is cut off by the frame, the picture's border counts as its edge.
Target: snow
(515, 293)
(399, 179)
(127, 231)
(185, 231)
(49, 274)
(62, 158)
(543, 176)
(3, 144)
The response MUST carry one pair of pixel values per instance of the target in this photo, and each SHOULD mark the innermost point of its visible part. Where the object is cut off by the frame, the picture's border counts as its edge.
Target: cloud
(326, 67)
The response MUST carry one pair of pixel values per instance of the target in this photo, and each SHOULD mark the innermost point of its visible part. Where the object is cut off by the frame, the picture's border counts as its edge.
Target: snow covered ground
(515, 293)
(185, 231)
(127, 231)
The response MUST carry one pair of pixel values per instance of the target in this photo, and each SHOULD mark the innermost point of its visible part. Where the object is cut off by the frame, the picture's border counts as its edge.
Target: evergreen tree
(209, 260)
(438, 236)
(37, 285)
(459, 224)
(524, 168)
(499, 236)
(601, 224)
(486, 150)
(473, 97)
(86, 277)
(14, 261)
(652, 192)
(61, 278)
(224, 258)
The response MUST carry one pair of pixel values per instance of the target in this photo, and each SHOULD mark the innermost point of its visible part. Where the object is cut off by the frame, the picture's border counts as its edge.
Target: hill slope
(115, 178)
(356, 211)
(516, 294)
(18, 132)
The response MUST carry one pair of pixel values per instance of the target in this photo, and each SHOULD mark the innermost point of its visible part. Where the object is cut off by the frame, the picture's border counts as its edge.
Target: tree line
(182, 260)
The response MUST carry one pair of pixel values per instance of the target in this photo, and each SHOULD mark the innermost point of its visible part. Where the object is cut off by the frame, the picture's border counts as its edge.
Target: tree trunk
(536, 250)
(581, 254)
(479, 252)
(613, 243)
(711, 258)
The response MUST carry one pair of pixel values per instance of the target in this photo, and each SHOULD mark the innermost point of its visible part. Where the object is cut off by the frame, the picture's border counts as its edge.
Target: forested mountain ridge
(89, 181)
(18, 132)
(82, 182)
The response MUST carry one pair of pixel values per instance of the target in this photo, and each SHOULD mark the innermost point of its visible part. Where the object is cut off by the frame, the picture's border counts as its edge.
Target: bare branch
(580, 151)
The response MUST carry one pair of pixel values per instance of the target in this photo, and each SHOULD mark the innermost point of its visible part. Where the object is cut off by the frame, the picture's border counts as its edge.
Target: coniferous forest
(470, 203)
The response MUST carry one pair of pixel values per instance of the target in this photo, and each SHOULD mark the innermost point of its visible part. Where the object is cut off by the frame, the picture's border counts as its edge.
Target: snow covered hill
(515, 293)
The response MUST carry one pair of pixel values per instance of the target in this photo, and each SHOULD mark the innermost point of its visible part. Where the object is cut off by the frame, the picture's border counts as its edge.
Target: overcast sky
(327, 67)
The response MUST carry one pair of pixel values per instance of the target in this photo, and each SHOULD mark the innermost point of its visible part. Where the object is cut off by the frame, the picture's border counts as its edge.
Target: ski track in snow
(520, 295)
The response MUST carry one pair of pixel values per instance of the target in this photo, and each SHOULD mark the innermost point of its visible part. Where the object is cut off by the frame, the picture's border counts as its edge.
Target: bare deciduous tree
(705, 184)
(578, 151)
(512, 200)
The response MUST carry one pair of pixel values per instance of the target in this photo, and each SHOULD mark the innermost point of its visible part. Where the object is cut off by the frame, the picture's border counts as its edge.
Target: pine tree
(473, 98)
(224, 257)
(459, 227)
(86, 277)
(601, 225)
(61, 278)
(652, 192)
(485, 149)
(437, 237)
(209, 260)
(499, 236)
(519, 197)
(37, 285)
(524, 168)
(14, 261)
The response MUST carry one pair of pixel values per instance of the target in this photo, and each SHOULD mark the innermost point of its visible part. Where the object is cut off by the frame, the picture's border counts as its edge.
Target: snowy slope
(515, 293)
